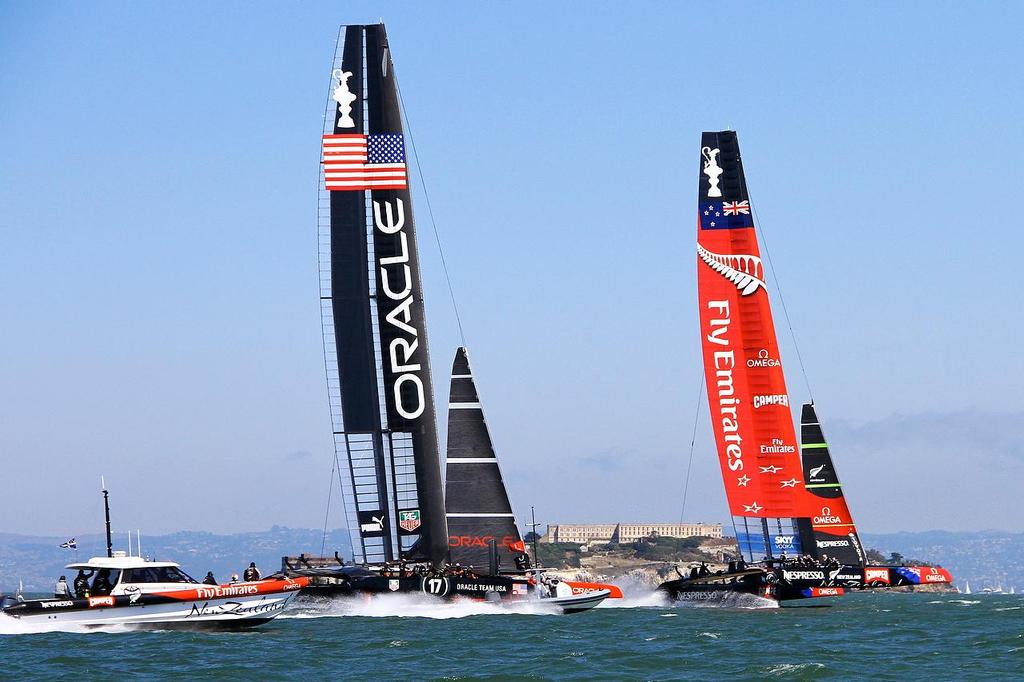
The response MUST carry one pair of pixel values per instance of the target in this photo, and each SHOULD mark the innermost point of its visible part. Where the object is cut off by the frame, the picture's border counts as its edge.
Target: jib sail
(375, 339)
(477, 501)
(747, 394)
(833, 530)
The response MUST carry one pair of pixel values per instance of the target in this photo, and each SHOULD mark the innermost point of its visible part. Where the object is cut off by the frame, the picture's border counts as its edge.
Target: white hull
(235, 610)
(578, 602)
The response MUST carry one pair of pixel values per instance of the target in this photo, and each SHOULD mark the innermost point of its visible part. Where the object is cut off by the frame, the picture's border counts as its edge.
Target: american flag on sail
(357, 162)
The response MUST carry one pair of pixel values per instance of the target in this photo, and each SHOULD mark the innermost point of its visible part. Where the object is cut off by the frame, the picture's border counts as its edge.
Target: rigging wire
(693, 440)
(430, 213)
(782, 300)
(323, 330)
(330, 493)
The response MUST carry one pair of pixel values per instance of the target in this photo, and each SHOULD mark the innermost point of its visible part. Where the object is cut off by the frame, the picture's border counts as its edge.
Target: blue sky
(159, 322)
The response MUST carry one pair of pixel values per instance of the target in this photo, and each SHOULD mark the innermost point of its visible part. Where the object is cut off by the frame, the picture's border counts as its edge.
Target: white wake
(414, 606)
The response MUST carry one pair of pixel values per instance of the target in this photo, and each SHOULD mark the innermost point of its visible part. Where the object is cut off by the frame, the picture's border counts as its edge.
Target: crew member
(209, 579)
(252, 573)
(101, 583)
(234, 578)
(82, 584)
(61, 589)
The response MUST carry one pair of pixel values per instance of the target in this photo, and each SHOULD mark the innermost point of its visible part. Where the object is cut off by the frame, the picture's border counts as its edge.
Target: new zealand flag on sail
(724, 215)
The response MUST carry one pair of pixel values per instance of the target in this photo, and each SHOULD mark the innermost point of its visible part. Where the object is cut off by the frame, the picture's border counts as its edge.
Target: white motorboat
(131, 590)
(574, 603)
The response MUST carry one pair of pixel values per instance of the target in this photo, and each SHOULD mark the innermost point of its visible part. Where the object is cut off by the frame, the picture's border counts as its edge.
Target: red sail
(750, 411)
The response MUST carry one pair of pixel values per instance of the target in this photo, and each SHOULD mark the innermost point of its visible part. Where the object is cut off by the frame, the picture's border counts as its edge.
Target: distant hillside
(985, 558)
(38, 561)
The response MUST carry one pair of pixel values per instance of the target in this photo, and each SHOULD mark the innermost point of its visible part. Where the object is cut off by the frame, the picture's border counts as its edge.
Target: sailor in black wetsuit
(252, 573)
(209, 579)
(82, 584)
(101, 583)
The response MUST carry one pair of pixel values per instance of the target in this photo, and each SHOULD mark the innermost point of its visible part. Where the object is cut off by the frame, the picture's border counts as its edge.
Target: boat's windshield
(161, 574)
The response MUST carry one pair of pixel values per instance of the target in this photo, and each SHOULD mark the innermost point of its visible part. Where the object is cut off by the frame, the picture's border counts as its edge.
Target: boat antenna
(533, 527)
(138, 542)
(129, 543)
(106, 513)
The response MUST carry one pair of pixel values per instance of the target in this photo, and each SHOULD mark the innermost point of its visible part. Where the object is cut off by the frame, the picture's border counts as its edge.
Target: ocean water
(877, 636)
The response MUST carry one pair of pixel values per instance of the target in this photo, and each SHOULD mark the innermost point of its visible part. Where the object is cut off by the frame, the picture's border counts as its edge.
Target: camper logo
(409, 520)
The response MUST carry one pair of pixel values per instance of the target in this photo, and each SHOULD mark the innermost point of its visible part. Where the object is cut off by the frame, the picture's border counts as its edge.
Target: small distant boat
(967, 587)
(131, 590)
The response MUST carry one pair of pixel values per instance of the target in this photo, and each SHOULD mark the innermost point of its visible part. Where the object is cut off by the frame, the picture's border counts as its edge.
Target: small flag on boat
(358, 162)
(70, 544)
(519, 588)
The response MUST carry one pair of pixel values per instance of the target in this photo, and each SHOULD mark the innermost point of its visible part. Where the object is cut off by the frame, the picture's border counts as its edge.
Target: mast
(533, 528)
(375, 341)
(478, 507)
(747, 395)
(106, 515)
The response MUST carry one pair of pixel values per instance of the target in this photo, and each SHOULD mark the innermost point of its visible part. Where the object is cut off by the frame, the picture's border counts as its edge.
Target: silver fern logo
(746, 272)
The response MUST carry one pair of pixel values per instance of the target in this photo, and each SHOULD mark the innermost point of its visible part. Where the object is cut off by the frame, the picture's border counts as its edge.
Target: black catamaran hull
(353, 581)
(798, 582)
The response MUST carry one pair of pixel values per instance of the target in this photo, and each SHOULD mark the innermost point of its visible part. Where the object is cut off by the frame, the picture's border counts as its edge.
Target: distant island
(985, 558)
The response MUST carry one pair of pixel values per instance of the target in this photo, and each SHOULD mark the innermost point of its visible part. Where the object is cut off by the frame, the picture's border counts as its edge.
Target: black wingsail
(821, 480)
(375, 341)
(477, 502)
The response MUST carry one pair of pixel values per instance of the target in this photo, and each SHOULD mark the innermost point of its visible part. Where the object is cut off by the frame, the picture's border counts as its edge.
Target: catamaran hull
(444, 587)
(792, 584)
(242, 605)
(499, 589)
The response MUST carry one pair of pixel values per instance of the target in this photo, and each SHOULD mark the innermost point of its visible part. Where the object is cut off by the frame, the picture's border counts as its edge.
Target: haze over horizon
(158, 250)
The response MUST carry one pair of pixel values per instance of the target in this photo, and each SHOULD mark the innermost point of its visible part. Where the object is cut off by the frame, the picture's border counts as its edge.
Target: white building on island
(624, 533)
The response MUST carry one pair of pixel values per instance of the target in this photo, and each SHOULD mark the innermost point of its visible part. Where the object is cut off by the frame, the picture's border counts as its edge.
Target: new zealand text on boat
(375, 344)
(795, 532)
(131, 590)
